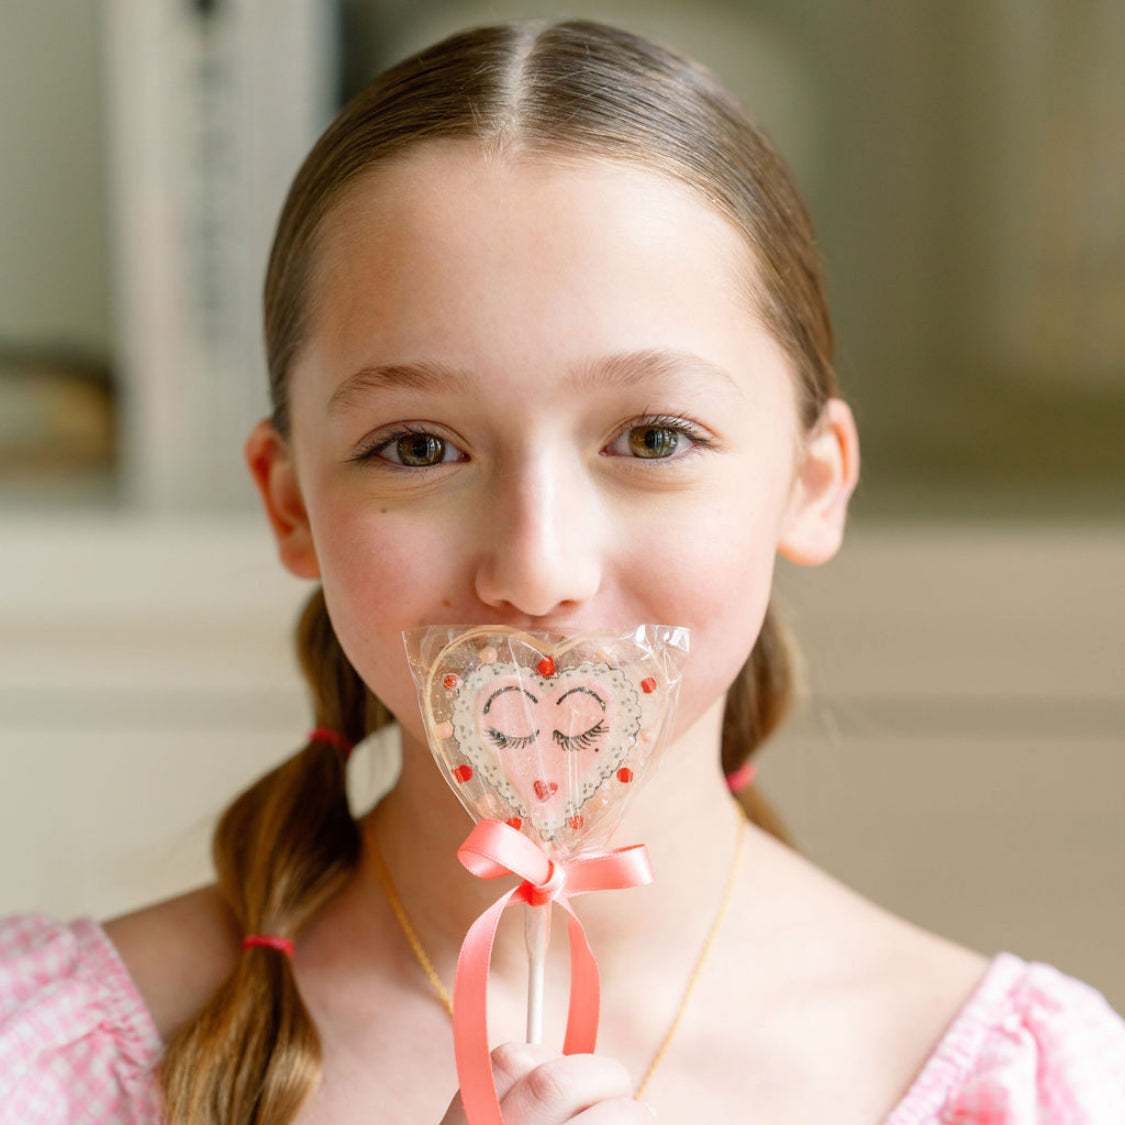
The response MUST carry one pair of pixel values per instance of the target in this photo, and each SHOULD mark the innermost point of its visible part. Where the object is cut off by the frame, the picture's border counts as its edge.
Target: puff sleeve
(77, 1045)
(1032, 1047)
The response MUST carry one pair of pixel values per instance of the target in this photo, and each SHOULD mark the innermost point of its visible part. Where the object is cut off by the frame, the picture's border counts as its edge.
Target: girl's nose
(541, 538)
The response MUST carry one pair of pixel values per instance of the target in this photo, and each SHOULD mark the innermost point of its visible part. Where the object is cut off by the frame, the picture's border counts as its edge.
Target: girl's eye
(412, 449)
(654, 441)
(418, 451)
(657, 439)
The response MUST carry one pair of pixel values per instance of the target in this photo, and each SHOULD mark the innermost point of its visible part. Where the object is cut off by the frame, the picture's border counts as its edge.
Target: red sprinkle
(451, 682)
(576, 822)
(463, 773)
(514, 822)
(648, 686)
(546, 666)
(625, 774)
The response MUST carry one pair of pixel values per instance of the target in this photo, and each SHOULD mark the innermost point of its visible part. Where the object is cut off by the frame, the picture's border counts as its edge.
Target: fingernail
(523, 1056)
(518, 1058)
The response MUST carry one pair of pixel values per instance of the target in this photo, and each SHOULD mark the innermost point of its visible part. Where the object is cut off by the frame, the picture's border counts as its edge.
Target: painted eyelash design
(510, 741)
(580, 741)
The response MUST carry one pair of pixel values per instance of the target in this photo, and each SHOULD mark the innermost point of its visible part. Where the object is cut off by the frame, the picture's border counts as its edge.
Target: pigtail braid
(757, 702)
(282, 849)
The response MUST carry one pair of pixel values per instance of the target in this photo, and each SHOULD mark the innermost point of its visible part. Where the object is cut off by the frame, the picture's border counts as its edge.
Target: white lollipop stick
(537, 930)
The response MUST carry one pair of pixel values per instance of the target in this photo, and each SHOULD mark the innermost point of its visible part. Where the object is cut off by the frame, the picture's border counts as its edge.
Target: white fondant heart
(546, 745)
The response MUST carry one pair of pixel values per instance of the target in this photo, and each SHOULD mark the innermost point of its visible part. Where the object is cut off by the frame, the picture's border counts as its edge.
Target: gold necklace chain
(716, 923)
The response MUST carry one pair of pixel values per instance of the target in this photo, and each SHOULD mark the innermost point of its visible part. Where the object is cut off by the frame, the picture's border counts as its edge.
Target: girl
(548, 348)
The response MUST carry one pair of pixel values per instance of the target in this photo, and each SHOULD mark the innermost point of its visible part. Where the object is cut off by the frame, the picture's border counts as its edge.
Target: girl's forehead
(447, 193)
(457, 256)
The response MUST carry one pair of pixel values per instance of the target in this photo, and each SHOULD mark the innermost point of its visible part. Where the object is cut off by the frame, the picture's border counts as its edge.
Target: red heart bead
(546, 667)
(648, 686)
(545, 789)
(514, 822)
(576, 822)
(451, 682)
(463, 773)
(625, 774)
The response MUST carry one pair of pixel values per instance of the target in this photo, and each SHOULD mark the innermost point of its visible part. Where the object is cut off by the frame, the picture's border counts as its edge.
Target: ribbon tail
(494, 849)
(470, 1018)
(585, 990)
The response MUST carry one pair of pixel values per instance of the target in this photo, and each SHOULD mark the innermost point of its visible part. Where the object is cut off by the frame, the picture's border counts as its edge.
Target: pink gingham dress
(78, 1046)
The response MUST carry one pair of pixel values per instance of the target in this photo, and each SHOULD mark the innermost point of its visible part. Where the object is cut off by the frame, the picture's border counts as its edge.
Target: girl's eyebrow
(627, 369)
(395, 376)
(621, 369)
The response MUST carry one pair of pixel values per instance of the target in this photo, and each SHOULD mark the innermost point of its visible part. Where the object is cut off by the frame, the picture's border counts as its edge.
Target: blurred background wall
(959, 756)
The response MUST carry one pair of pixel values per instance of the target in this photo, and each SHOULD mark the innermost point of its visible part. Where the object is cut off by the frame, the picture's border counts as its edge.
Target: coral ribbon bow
(494, 849)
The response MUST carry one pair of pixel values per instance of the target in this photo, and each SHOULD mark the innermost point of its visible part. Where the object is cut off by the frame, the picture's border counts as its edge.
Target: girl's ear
(813, 526)
(271, 465)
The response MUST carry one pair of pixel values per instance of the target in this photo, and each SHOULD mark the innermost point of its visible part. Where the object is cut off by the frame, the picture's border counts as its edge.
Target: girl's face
(534, 393)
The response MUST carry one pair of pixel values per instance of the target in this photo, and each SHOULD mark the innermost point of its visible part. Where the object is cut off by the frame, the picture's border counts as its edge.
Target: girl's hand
(536, 1086)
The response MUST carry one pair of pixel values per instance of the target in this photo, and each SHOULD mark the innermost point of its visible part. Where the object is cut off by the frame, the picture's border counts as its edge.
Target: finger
(562, 1087)
(510, 1062)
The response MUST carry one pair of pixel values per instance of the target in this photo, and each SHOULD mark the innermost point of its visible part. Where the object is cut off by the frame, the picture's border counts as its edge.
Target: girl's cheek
(375, 549)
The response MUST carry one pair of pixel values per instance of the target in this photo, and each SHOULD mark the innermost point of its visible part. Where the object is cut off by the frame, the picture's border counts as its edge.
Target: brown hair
(576, 88)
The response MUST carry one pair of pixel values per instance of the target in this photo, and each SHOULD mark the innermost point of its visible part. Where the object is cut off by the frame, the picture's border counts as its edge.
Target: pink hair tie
(742, 778)
(333, 738)
(268, 941)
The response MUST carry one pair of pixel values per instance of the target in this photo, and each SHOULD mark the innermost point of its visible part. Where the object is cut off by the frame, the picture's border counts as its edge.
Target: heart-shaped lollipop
(549, 734)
